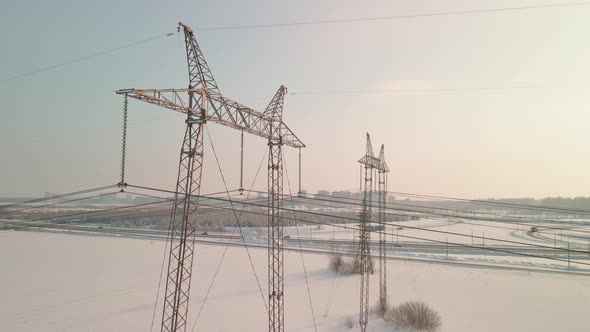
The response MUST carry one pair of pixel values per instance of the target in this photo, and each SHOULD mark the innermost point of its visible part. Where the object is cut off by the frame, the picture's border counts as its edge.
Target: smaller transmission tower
(370, 162)
(382, 192)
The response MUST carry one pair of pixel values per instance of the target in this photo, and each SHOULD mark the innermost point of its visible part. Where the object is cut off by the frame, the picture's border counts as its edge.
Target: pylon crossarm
(374, 162)
(220, 110)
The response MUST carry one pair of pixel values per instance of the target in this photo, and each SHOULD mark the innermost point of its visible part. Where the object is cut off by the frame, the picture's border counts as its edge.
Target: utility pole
(382, 190)
(205, 104)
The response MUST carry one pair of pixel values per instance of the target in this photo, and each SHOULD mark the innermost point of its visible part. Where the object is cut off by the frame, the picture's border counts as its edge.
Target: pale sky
(60, 129)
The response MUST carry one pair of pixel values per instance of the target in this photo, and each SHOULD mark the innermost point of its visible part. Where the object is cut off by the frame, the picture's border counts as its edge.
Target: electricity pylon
(276, 318)
(370, 163)
(382, 194)
(205, 103)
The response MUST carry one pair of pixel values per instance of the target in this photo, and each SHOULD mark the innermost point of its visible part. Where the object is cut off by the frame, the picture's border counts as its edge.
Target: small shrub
(339, 264)
(416, 315)
(336, 262)
(380, 309)
(534, 229)
(349, 267)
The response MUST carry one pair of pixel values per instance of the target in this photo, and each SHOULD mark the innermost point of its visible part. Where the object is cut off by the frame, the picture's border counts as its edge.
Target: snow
(61, 282)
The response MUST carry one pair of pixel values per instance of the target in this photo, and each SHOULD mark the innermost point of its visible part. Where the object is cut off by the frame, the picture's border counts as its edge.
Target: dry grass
(416, 315)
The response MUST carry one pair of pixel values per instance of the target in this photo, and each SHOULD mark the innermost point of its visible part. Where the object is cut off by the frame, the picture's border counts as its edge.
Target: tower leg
(276, 321)
(183, 224)
(364, 250)
(382, 263)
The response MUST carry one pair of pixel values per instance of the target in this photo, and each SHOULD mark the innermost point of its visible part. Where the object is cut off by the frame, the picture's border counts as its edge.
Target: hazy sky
(60, 129)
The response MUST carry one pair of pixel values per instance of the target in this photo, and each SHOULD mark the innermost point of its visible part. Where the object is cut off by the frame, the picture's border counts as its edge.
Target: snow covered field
(59, 282)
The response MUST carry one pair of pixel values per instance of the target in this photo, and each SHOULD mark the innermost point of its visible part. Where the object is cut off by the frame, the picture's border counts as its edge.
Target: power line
(456, 244)
(325, 215)
(73, 193)
(451, 233)
(60, 219)
(228, 243)
(396, 17)
(57, 223)
(458, 89)
(90, 56)
(319, 214)
(496, 203)
(77, 215)
(486, 202)
(168, 242)
(299, 241)
(402, 236)
(56, 203)
(388, 206)
(237, 219)
(424, 210)
(301, 23)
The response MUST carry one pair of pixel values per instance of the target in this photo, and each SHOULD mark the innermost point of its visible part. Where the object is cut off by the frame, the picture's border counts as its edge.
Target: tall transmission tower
(382, 194)
(202, 102)
(370, 162)
(276, 317)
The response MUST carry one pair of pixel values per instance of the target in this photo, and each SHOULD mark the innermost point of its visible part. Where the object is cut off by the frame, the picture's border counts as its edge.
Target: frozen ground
(59, 282)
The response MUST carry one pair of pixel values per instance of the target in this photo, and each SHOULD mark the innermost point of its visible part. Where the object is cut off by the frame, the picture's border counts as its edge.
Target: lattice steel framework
(382, 195)
(205, 103)
(364, 251)
(183, 224)
(276, 318)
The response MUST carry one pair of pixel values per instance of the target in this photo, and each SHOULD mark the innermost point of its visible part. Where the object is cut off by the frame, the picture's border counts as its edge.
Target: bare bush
(349, 267)
(416, 315)
(380, 309)
(339, 264)
(336, 262)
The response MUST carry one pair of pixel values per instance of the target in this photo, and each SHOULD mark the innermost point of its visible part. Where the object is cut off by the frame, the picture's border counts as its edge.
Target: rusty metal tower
(202, 102)
(382, 171)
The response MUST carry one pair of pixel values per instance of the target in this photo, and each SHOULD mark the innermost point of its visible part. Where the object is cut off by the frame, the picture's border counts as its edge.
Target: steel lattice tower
(205, 103)
(364, 253)
(276, 318)
(382, 194)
